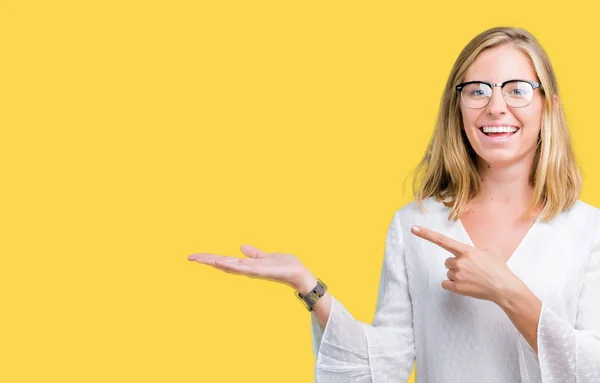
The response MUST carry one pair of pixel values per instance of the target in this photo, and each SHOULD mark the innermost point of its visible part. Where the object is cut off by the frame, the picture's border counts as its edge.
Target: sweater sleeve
(347, 350)
(570, 353)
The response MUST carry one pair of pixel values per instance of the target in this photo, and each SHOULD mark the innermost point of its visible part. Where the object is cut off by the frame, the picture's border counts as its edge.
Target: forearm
(322, 307)
(523, 308)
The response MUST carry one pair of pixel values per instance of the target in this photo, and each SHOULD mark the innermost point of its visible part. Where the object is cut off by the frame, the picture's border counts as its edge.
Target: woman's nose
(497, 105)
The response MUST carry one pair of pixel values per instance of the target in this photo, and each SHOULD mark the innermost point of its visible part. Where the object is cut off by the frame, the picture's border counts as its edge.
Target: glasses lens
(476, 95)
(517, 93)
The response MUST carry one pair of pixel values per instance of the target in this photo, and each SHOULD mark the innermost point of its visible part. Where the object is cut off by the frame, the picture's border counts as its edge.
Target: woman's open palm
(278, 267)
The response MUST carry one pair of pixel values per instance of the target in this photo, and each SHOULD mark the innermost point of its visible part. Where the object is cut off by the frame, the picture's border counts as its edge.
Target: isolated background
(135, 133)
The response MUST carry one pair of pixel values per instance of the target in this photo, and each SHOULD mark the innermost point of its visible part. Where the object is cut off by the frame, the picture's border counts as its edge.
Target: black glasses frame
(534, 85)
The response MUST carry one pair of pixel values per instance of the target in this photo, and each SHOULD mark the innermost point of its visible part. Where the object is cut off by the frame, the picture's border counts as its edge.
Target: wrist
(305, 282)
(512, 297)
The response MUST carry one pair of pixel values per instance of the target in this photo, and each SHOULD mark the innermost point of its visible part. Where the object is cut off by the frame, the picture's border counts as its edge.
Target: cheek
(534, 113)
(469, 116)
(531, 119)
(469, 119)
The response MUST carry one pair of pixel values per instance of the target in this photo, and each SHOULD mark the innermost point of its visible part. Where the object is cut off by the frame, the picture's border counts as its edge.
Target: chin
(501, 158)
(500, 161)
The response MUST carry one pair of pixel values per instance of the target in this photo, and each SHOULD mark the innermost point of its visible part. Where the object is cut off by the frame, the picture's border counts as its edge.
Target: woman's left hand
(473, 272)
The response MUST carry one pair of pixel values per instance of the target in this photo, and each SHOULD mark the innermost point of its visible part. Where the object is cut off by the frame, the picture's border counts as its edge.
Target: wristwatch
(313, 295)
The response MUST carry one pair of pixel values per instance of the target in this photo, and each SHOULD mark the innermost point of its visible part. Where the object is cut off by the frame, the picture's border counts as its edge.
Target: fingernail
(416, 229)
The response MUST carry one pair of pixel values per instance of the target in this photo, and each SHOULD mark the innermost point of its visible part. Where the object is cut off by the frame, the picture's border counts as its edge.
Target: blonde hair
(448, 170)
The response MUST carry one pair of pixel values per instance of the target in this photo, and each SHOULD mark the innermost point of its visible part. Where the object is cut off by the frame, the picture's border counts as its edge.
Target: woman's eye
(477, 93)
(519, 91)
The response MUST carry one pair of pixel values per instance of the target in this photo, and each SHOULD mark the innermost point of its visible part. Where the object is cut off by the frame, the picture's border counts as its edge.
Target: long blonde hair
(448, 170)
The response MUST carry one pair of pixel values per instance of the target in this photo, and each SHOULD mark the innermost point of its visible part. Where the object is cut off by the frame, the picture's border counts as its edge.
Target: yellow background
(135, 133)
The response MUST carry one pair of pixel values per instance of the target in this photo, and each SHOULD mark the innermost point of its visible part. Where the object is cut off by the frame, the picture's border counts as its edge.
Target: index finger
(207, 258)
(447, 243)
(226, 263)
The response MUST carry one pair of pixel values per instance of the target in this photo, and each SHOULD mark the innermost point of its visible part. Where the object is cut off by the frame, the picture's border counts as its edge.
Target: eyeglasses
(516, 93)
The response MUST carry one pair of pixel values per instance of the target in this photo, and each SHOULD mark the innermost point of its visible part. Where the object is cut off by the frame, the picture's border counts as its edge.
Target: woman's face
(497, 65)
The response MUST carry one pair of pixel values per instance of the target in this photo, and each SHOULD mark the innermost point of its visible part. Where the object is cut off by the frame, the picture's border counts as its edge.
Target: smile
(498, 133)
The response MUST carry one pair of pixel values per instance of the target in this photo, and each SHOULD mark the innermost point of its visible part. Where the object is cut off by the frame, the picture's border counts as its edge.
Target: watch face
(312, 297)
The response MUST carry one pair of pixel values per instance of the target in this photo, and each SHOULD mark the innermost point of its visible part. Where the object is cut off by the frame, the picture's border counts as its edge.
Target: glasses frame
(459, 88)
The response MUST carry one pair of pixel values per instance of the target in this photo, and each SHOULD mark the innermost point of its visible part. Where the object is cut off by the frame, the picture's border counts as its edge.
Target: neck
(507, 185)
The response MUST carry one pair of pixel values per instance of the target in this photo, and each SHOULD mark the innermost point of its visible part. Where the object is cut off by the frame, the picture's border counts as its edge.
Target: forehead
(499, 64)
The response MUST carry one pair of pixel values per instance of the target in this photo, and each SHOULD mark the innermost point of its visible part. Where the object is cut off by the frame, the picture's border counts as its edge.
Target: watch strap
(313, 295)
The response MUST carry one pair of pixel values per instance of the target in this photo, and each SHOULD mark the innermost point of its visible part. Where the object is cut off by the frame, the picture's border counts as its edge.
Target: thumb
(252, 251)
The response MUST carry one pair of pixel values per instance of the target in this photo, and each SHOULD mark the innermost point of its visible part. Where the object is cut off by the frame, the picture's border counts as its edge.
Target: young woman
(492, 274)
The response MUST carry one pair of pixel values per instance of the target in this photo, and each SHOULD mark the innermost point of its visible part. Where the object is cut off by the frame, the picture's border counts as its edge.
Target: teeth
(499, 129)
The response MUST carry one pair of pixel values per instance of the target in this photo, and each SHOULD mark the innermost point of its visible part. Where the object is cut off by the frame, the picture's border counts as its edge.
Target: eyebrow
(512, 79)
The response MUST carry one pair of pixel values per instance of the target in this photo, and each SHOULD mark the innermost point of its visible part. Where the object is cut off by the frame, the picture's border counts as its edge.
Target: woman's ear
(556, 102)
